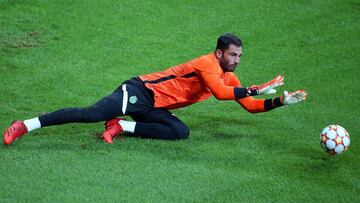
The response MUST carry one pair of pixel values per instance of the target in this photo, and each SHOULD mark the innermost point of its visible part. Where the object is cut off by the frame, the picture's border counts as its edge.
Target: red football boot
(112, 129)
(15, 131)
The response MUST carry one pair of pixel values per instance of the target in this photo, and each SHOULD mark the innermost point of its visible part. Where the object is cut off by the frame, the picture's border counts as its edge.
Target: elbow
(222, 96)
(252, 105)
(252, 109)
(218, 96)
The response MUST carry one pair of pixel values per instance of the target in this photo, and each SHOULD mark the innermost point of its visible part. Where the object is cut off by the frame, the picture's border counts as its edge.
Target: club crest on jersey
(133, 99)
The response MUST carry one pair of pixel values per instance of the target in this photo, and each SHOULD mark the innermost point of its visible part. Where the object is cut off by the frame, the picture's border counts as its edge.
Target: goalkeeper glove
(267, 88)
(293, 97)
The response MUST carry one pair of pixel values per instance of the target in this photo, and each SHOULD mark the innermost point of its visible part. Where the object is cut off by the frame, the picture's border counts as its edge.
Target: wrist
(277, 101)
(253, 91)
(273, 103)
(282, 99)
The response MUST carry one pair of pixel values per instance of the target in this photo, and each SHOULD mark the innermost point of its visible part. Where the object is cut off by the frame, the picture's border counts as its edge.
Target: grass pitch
(56, 54)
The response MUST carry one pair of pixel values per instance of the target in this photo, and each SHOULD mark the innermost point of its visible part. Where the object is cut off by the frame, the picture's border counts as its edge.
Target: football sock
(128, 126)
(32, 124)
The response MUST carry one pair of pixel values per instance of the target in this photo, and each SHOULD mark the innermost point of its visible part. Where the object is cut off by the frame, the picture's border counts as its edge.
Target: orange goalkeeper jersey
(194, 81)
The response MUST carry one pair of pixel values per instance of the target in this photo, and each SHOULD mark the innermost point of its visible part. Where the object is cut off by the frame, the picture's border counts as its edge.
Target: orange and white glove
(267, 88)
(293, 97)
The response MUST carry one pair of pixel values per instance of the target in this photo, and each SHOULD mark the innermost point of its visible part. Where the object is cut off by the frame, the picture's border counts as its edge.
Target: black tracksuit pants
(131, 98)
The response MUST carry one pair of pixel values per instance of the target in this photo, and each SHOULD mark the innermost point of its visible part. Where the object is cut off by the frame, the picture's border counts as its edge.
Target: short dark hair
(225, 40)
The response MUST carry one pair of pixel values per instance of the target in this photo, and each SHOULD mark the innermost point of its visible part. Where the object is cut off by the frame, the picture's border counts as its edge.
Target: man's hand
(293, 97)
(268, 88)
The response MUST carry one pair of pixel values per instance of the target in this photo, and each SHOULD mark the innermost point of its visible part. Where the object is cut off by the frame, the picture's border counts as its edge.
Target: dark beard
(226, 67)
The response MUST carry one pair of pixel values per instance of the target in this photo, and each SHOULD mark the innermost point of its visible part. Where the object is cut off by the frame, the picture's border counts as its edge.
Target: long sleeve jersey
(194, 81)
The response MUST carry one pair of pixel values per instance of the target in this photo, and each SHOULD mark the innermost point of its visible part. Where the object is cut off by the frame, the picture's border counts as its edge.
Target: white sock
(32, 124)
(128, 126)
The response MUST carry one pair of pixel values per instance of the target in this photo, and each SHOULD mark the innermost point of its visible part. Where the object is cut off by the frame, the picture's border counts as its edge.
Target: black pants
(134, 100)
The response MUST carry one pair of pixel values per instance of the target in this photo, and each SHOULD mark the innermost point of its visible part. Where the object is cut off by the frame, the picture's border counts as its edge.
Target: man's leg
(161, 124)
(105, 109)
(156, 124)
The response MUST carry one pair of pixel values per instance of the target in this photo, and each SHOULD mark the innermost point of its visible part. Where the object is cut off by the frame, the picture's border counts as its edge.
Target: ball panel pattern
(334, 139)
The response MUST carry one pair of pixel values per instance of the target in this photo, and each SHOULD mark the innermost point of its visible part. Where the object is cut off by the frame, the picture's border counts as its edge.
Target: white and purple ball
(335, 139)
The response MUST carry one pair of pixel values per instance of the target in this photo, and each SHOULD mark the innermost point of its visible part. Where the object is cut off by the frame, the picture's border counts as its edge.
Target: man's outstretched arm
(224, 92)
(253, 105)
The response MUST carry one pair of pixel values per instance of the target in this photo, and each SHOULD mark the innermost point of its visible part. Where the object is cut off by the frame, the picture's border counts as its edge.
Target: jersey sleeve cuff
(270, 104)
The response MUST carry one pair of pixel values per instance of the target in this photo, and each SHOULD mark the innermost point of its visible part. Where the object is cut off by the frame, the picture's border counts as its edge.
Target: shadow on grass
(197, 149)
(318, 161)
(5, 5)
(211, 121)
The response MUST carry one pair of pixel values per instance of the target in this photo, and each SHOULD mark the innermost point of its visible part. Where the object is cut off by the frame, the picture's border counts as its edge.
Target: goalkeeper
(148, 98)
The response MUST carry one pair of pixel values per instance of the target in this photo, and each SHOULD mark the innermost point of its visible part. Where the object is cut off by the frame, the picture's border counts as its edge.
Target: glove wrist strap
(270, 104)
(241, 92)
(252, 91)
(276, 102)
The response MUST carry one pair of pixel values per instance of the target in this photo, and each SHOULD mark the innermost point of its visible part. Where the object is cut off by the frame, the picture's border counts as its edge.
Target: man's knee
(182, 131)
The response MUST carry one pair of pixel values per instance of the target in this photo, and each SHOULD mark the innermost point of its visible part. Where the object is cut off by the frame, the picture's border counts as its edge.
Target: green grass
(56, 54)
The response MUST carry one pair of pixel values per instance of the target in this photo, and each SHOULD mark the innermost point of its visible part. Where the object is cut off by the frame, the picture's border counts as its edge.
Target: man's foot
(112, 129)
(15, 131)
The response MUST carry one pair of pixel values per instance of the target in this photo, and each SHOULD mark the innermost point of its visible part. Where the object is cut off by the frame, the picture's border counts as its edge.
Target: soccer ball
(335, 139)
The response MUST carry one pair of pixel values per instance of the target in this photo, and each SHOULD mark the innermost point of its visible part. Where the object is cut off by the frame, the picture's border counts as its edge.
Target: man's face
(229, 58)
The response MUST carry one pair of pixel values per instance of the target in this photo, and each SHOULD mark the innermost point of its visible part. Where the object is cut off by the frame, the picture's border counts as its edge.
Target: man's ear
(218, 53)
